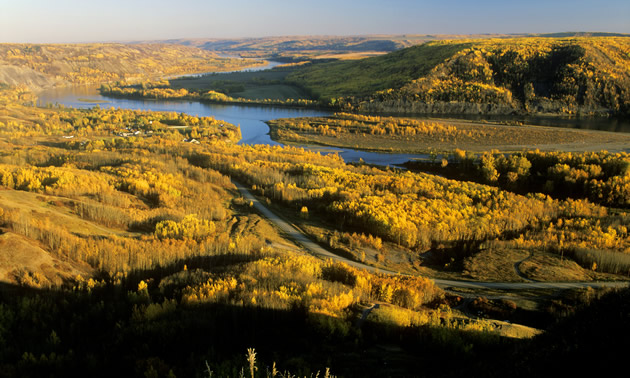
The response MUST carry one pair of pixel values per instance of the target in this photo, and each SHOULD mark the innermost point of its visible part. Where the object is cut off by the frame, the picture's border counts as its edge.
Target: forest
(126, 248)
(437, 137)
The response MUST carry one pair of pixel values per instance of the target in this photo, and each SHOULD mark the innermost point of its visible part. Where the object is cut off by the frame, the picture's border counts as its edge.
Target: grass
(366, 76)
(259, 85)
(549, 268)
(43, 207)
(23, 260)
(210, 81)
(272, 91)
(494, 265)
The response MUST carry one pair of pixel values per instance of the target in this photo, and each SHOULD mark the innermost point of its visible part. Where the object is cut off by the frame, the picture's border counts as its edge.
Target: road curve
(316, 250)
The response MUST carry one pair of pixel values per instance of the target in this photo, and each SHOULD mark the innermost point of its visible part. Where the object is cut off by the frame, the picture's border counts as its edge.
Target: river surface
(251, 119)
(254, 130)
(270, 64)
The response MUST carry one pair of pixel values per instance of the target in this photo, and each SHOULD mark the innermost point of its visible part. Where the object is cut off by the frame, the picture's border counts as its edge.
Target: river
(251, 119)
(254, 130)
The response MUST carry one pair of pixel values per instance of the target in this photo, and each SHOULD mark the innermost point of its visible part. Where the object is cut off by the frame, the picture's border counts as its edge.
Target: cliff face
(16, 76)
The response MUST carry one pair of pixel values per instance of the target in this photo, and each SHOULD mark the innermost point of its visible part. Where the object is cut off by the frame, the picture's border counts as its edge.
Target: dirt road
(316, 250)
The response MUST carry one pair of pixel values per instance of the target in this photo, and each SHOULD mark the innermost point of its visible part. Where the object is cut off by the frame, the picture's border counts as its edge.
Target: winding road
(316, 250)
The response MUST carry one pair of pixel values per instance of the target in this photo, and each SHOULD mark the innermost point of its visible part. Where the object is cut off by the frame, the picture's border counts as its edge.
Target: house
(193, 140)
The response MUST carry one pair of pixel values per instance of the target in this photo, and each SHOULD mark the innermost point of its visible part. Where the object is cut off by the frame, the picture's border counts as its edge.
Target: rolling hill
(40, 66)
(301, 48)
(586, 75)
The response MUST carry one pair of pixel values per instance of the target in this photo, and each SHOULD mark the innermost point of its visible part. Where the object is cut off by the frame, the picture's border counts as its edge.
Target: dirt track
(316, 250)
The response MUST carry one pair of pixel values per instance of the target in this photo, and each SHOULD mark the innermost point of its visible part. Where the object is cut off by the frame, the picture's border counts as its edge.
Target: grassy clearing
(23, 261)
(43, 207)
(260, 85)
(272, 91)
(494, 265)
(547, 267)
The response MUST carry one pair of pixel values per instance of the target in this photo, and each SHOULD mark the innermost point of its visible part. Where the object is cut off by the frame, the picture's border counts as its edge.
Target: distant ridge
(312, 47)
(579, 34)
(315, 45)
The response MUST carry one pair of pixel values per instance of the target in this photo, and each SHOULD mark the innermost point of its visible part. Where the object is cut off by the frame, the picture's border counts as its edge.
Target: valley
(159, 227)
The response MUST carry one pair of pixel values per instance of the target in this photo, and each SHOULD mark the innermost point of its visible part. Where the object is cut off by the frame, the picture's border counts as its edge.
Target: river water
(254, 130)
(251, 119)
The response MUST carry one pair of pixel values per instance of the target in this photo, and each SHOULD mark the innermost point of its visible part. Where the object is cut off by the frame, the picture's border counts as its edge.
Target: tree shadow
(108, 331)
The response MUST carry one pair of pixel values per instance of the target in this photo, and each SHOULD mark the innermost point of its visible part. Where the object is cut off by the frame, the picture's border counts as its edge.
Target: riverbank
(210, 97)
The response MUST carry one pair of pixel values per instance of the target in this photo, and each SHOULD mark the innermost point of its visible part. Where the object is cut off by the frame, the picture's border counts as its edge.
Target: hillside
(309, 47)
(366, 76)
(40, 66)
(298, 48)
(588, 75)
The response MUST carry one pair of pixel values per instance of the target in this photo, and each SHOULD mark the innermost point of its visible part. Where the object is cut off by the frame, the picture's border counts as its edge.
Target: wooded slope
(526, 75)
(39, 66)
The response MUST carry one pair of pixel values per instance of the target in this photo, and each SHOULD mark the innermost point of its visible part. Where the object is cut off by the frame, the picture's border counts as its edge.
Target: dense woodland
(127, 251)
(435, 137)
(422, 211)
